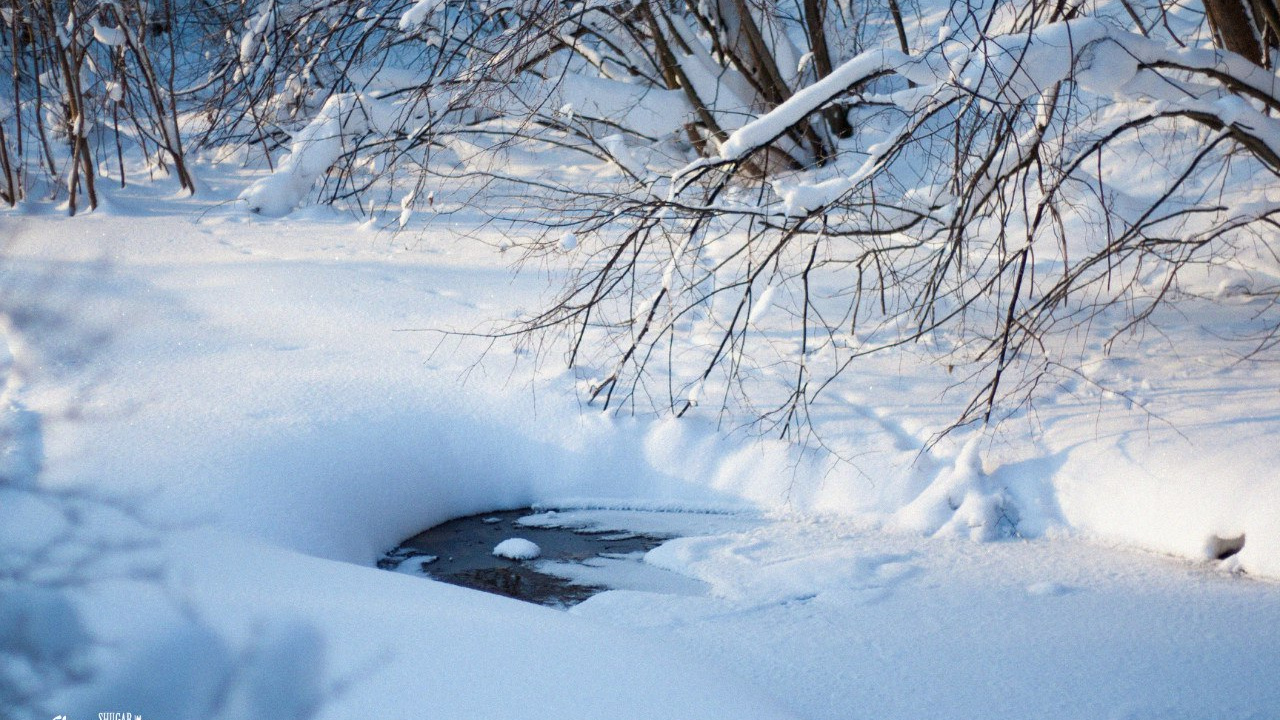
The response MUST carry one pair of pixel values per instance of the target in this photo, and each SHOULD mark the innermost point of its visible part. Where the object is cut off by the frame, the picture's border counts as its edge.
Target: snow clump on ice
(517, 549)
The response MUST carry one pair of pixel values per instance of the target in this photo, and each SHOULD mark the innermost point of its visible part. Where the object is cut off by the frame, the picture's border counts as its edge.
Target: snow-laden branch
(1216, 88)
(765, 129)
(314, 150)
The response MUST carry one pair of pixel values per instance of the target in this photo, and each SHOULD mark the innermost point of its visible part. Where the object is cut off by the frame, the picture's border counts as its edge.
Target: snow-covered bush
(1022, 172)
(975, 180)
(91, 81)
(981, 183)
(639, 86)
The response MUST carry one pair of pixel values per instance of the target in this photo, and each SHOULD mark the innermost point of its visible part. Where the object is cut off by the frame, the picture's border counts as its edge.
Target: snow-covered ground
(215, 424)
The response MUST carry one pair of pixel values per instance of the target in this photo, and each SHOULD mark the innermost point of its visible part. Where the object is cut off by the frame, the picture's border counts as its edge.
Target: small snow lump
(517, 549)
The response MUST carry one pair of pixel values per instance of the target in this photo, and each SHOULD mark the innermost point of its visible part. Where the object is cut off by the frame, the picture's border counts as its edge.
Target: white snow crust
(517, 549)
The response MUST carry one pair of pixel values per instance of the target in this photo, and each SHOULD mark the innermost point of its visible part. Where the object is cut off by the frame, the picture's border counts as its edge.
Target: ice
(624, 572)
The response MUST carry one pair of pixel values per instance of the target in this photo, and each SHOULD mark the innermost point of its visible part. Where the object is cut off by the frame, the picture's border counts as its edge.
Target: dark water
(461, 552)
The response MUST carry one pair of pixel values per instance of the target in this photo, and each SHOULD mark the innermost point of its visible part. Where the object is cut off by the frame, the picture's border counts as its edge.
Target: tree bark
(1245, 27)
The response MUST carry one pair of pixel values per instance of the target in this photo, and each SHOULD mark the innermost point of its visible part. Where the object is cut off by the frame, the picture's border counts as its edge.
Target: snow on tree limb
(418, 14)
(1017, 67)
(313, 151)
(768, 127)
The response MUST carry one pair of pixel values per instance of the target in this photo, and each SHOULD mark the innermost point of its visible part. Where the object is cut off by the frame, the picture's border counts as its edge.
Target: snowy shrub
(1013, 175)
(980, 182)
(90, 81)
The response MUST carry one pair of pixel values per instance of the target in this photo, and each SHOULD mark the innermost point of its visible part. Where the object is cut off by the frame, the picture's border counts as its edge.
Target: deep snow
(215, 424)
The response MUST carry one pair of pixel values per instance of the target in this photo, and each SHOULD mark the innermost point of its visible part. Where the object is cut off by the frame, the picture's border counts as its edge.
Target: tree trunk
(1247, 27)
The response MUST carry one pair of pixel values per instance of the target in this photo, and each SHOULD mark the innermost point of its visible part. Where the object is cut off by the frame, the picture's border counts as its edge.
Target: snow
(517, 549)
(418, 14)
(914, 627)
(216, 422)
(762, 130)
(217, 412)
(1013, 68)
(41, 643)
(1106, 67)
(416, 565)
(624, 572)
(109, 36)
(761, 306)
(654, 112)
(314, 150)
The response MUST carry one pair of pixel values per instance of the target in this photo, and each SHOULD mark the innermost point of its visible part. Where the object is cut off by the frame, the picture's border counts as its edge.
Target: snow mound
(517, 549)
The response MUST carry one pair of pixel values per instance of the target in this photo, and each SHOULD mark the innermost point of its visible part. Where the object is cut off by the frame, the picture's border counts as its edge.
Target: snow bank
(1183, 497)
(285, 635)
(910, 628)
(239, 583)
(339, 438)
(42, 644)
(188, 672)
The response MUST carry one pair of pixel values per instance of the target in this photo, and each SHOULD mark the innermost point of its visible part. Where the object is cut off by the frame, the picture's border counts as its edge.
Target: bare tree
(84, 79)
